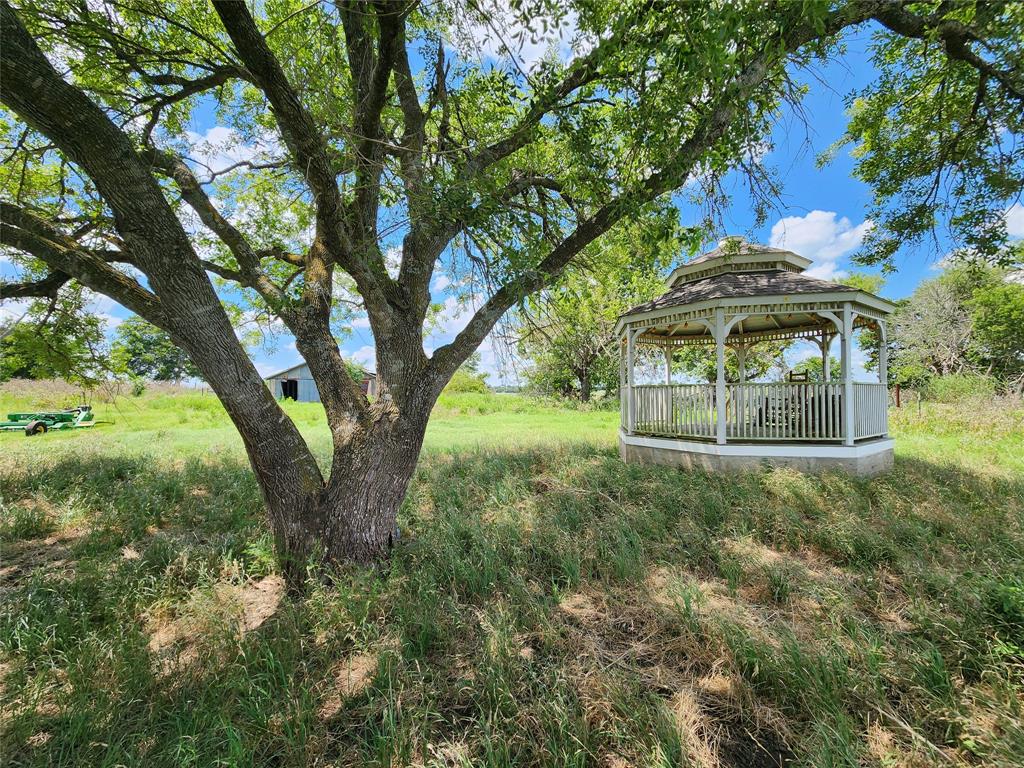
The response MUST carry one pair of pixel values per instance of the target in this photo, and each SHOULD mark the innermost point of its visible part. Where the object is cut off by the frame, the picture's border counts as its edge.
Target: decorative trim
(762, 450)
(806, 303)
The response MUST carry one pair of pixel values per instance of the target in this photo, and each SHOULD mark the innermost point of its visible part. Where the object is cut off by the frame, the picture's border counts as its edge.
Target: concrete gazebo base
(866, 458)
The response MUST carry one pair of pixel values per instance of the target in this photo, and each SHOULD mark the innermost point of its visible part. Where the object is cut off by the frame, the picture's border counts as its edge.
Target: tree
(55, 339)
(997, 316)
(146, 351)
(699, 362)
(930, 158)
(567, 331)
(362, 151)
(963, 321)
(934, 328)
(468, 378)
(814, 367)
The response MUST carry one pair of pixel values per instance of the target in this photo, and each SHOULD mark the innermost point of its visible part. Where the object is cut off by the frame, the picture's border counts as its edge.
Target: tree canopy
(145, 351)
(55, 339)
(364, 147)
(567, 331)
(969, 319)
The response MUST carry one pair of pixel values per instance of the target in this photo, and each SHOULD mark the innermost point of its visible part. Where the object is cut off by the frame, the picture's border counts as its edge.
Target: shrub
(466, 381)
(958, 387)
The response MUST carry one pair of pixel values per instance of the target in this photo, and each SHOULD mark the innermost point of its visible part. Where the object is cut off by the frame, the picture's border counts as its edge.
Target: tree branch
(719, 116)
(30, 234)
(956, 39)
(46, 287)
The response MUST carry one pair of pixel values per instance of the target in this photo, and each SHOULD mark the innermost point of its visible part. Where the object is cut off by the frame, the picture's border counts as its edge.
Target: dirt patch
(52, 553)
(348, 678)
(581, 607)
(259, 602)
(244, 608)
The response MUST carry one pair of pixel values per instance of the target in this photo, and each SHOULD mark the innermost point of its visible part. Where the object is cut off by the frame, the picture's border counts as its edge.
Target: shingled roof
(734, 246)
(775, 282)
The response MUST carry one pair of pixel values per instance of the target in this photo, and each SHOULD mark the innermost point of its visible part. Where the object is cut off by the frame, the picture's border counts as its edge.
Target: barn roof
(283, 374)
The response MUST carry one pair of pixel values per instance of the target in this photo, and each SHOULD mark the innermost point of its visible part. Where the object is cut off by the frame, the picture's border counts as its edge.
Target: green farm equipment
(43, 421)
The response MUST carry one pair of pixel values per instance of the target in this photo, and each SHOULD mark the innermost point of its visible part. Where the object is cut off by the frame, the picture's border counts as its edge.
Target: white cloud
(361, 322)
(439, 283)
(366, 356)
(505, 38)
(111, 321)
(819, 236)
(220, 147)
(393, 260)
(1015, 220)
(13, 309)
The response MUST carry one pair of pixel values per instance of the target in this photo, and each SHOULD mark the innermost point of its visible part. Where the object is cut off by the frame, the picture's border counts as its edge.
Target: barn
(296, 383)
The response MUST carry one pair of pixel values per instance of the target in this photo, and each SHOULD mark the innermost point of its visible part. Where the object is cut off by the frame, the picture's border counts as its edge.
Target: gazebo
(734, 297)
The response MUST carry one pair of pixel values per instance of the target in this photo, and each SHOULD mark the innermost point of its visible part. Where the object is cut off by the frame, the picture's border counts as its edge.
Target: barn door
(290, 389)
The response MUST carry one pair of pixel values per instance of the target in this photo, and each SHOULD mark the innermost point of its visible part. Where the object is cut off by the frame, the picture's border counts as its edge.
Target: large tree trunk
(352, 518)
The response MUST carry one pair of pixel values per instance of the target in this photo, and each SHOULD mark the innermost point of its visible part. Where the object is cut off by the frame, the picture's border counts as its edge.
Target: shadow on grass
(547, 607)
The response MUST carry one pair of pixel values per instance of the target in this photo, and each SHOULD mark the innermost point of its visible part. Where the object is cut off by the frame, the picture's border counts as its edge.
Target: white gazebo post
(883, 372)
(630, 380)
(883, 355)
(623, 391)
(826, 358)
(720, 331)
(668, 365)
(847, 347)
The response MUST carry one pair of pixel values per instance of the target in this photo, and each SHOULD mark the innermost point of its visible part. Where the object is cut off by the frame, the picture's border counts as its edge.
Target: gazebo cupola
(734, 297)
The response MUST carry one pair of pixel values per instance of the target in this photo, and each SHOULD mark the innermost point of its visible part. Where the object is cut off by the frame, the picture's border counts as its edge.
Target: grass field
(547, 605)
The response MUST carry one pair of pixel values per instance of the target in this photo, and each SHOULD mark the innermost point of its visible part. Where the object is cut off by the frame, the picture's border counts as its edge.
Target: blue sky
(821, 214)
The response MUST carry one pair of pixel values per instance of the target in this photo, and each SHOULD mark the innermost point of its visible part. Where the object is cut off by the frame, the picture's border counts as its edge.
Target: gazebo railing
(758, 412)
(870, 409)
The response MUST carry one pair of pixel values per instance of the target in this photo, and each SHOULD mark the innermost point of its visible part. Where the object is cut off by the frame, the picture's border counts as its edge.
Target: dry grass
(547, 606)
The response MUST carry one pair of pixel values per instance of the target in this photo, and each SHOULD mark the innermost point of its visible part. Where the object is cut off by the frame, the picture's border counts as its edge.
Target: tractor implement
(40, 422)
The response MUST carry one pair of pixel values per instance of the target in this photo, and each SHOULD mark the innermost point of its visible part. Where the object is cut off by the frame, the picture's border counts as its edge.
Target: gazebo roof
(774, 282)
(765, 285)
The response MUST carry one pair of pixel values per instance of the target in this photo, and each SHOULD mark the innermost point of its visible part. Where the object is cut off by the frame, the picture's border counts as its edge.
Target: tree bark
(351, 519)
(585, 385)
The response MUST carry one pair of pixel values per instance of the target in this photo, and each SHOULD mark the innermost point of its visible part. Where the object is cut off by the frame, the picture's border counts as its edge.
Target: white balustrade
(788, 411)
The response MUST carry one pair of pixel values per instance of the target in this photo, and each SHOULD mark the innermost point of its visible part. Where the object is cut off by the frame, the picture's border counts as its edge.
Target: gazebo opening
(731, 299)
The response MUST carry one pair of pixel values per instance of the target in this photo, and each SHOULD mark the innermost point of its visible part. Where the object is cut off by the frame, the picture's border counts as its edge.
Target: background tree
(145, 351)
(371, 138)
(567, 330)
(468, 378)
(966, 320)
(815, 369)
(997, 316)
(55, 339)
(698, 361)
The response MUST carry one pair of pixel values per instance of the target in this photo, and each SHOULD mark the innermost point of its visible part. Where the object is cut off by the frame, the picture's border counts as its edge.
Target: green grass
(194, 424)
(548, 605)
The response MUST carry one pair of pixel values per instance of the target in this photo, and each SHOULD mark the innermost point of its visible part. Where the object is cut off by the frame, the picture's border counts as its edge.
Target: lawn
(547, 604)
